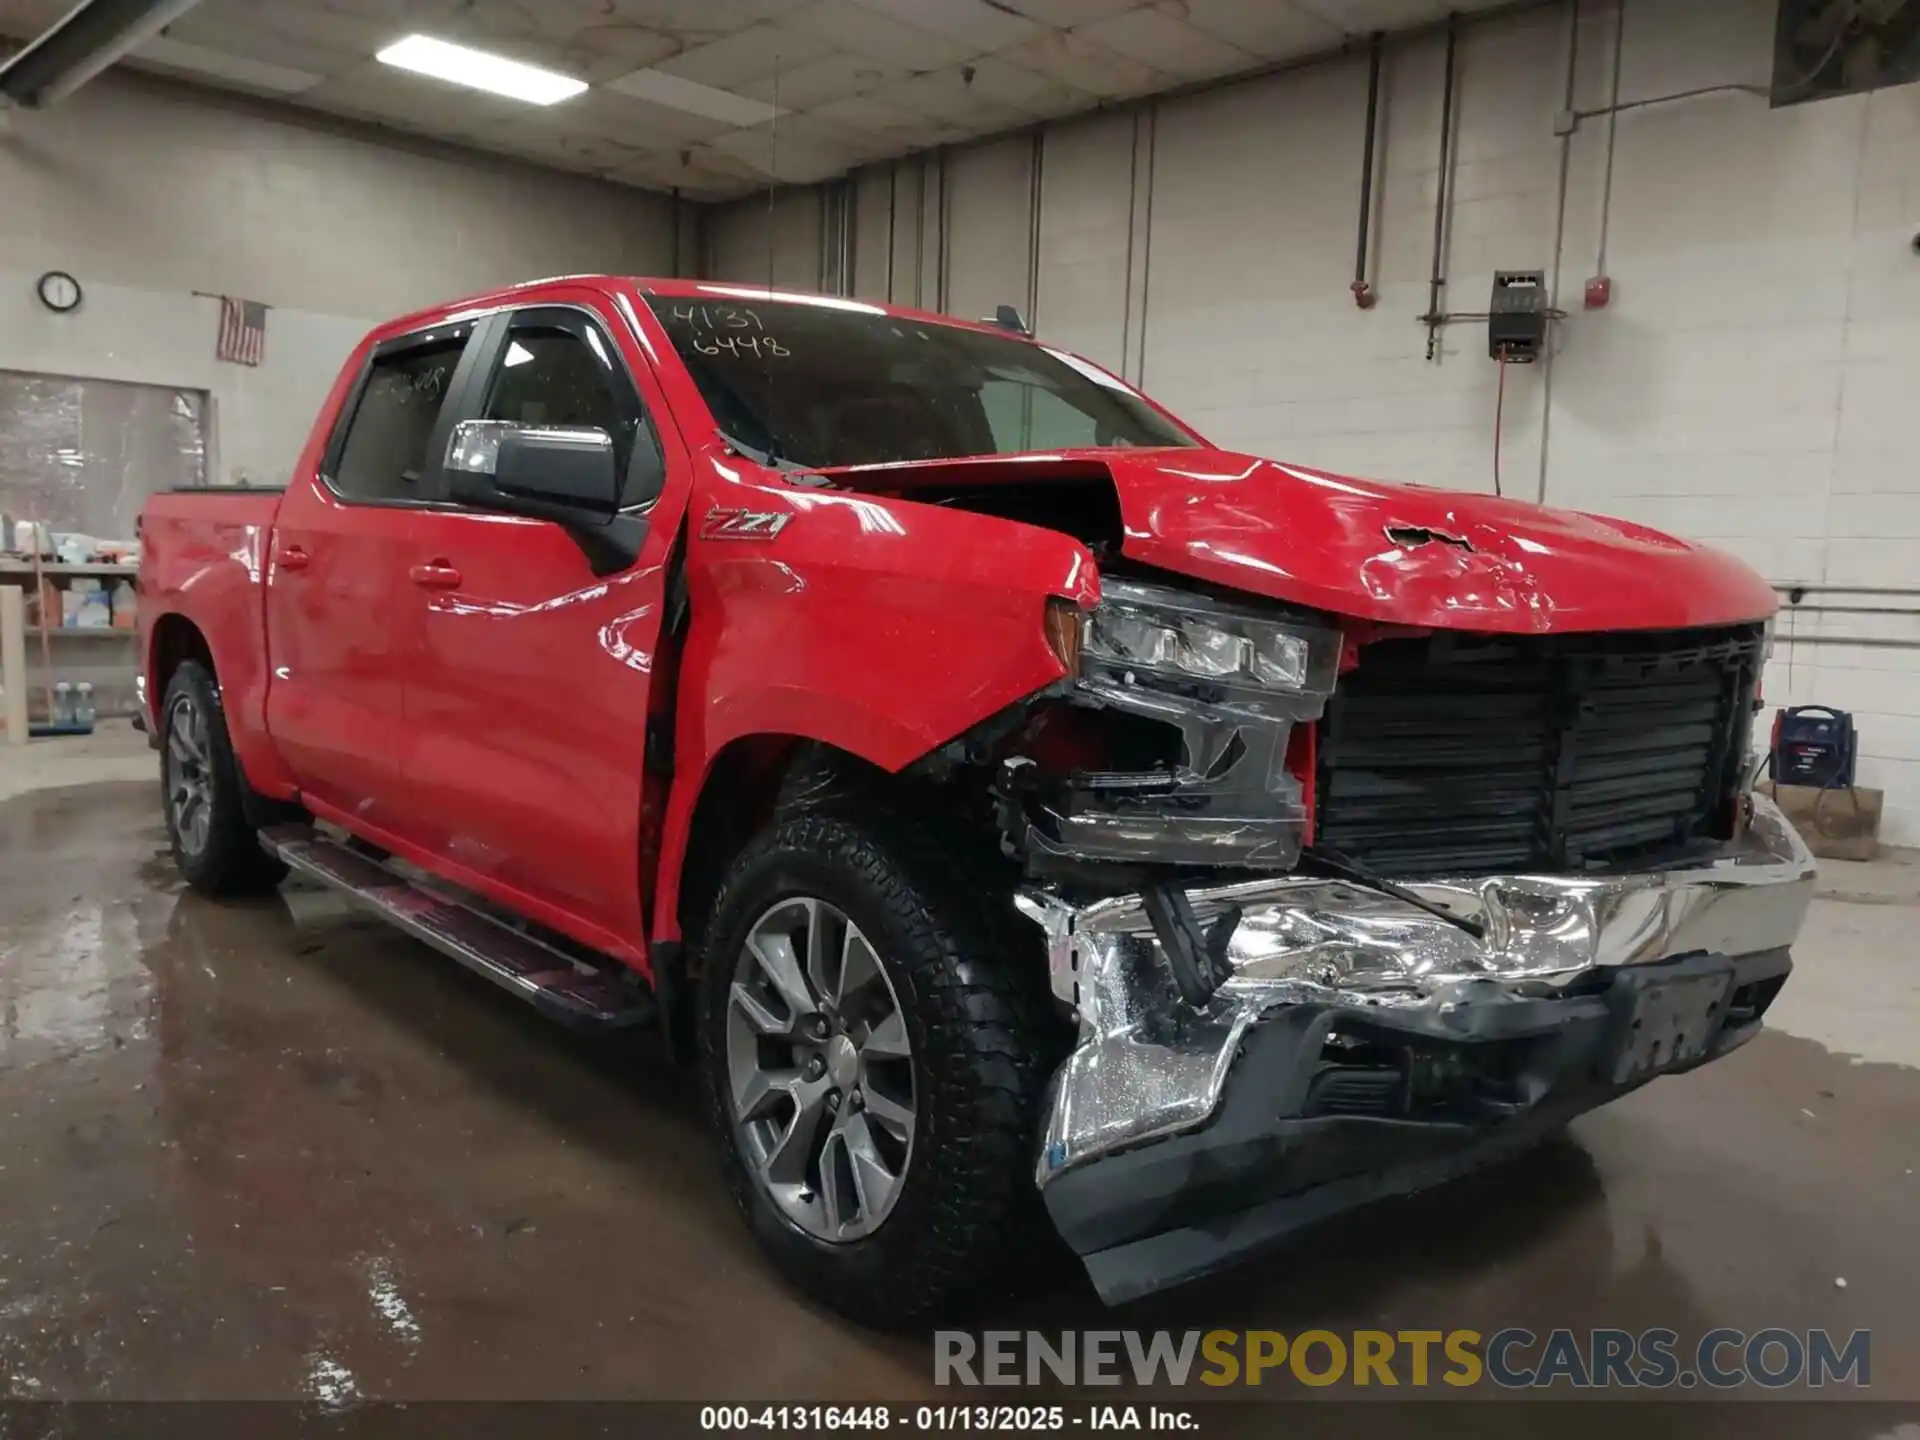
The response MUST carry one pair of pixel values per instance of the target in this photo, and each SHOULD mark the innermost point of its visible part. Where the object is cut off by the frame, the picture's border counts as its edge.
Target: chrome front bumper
(1147, 1065)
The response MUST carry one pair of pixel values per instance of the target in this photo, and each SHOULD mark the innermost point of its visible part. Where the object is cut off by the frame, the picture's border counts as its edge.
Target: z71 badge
(743, 524)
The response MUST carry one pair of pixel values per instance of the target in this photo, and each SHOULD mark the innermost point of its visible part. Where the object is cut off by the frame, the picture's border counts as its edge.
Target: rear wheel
(873, 1056)
(214, 844)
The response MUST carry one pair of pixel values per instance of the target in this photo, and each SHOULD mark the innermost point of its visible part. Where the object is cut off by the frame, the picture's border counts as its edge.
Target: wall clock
(59, 291)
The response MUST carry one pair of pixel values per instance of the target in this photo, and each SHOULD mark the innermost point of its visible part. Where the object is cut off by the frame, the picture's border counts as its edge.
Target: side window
(384, 453)
(562, 375)
(1031, 417)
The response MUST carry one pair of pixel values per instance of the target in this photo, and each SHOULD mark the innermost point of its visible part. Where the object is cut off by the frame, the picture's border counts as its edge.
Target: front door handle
(435, 575)
(292, 557)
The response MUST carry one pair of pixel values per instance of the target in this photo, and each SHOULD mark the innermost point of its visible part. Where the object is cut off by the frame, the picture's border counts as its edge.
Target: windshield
(841, 383)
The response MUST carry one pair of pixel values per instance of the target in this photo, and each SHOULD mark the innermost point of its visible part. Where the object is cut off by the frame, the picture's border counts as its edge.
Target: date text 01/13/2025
(974, 1419)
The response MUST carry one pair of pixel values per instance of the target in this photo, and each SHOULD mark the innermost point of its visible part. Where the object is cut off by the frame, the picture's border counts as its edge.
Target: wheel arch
(707, 824)
(741, 788)
(174, 638)
(217, 850)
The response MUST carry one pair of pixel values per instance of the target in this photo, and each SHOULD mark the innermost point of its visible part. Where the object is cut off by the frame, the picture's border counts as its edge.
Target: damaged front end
(1227, 690)
(1584, 895)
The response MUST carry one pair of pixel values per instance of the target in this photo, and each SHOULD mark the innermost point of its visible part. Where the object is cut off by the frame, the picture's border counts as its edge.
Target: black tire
(223, 856)
(972, 993)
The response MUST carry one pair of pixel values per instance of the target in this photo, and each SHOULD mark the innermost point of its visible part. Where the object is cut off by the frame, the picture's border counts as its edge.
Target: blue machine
(1813, 745)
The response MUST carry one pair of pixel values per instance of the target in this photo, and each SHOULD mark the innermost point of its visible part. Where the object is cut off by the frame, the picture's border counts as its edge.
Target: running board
(566, 988)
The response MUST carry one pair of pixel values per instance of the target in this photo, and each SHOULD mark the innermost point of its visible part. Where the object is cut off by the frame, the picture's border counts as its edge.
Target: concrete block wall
(989, 208)
(793, 260)
(1751, 384)
(148, 192)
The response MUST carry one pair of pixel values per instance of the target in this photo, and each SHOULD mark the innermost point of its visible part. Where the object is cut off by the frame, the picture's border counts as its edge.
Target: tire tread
(233, 862)
(982, 1022)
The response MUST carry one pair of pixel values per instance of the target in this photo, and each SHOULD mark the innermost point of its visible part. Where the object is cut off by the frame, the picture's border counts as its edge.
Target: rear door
(341, 617)
(527, 696)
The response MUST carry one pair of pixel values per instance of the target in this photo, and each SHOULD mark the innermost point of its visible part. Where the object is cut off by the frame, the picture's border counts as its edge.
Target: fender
(223, 568)
(883, 627)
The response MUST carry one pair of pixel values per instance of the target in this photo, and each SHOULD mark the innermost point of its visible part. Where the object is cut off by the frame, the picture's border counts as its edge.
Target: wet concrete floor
(273, 1150)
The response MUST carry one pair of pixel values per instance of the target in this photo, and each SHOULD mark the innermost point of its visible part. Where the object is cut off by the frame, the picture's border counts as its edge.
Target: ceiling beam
(92, 36)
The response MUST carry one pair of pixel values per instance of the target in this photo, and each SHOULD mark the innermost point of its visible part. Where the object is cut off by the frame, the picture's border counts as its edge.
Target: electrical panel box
(1517, 316)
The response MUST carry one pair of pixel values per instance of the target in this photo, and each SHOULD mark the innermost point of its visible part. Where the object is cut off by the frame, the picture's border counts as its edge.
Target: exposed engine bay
(1212, 730)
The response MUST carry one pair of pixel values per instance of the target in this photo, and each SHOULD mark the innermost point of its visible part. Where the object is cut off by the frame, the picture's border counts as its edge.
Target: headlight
(1121, 635)
(1168, 633)
(1208, 650)
(1282, 661)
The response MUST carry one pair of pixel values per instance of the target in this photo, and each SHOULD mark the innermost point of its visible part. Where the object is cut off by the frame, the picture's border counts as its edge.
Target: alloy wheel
(820, 1070)
(189, 774)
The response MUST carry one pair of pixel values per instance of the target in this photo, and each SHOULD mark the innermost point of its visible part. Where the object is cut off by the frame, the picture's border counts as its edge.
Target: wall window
(84, 455)
(1825, 48)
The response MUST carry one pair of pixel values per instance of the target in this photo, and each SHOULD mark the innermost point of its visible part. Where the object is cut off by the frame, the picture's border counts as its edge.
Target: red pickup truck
(1001, 794)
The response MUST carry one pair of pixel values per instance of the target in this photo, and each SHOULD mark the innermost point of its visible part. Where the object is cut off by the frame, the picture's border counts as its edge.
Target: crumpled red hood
(1400, 554)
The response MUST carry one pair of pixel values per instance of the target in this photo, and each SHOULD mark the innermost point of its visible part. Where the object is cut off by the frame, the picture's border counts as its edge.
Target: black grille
(1464, 754)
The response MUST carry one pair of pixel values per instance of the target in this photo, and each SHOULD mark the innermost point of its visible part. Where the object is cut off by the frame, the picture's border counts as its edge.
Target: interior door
(527, 695)
(340, 618)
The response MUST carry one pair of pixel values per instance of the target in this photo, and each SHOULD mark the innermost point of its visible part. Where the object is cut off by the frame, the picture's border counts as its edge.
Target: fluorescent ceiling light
(792, 297)
(198, 59)
(675, 93)
(1091, 371)
(478, 70)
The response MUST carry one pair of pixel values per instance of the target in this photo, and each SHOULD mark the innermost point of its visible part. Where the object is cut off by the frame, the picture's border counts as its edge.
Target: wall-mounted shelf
(54, 572)
(109, 660)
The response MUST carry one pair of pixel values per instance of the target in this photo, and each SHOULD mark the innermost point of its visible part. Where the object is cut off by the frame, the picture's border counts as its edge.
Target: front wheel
(214, 844)
(873, 1053)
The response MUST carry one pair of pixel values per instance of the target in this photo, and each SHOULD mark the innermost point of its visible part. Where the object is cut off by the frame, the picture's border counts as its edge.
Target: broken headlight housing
(1146, 635)
(1229, 682)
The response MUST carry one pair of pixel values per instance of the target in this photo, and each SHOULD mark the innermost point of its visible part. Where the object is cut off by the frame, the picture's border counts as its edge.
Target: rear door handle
(292, 557)
(435, 575)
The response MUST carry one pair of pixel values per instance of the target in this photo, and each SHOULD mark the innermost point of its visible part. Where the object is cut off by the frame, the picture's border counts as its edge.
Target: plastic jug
(63, 704)
(83, 708)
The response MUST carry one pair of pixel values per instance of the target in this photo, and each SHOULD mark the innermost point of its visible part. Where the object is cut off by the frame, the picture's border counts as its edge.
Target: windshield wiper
(794, 472)
(770, 457)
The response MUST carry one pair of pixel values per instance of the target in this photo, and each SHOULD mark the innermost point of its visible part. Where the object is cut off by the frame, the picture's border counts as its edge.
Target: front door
(527, 695)
(339, 612)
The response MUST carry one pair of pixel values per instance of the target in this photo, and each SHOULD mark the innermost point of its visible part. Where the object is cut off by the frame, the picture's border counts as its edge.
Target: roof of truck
(636, 285)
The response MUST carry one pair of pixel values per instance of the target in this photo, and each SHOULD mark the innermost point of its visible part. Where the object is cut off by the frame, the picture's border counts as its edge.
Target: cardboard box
(1842, 823)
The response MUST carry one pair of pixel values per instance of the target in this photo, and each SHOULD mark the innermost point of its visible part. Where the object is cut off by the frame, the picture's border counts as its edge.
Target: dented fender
(880, 626)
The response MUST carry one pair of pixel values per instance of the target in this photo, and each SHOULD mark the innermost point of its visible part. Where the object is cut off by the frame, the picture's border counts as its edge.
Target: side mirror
(550, 471)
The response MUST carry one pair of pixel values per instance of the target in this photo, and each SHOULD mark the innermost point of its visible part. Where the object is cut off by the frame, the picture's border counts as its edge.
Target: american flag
(243, 331)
